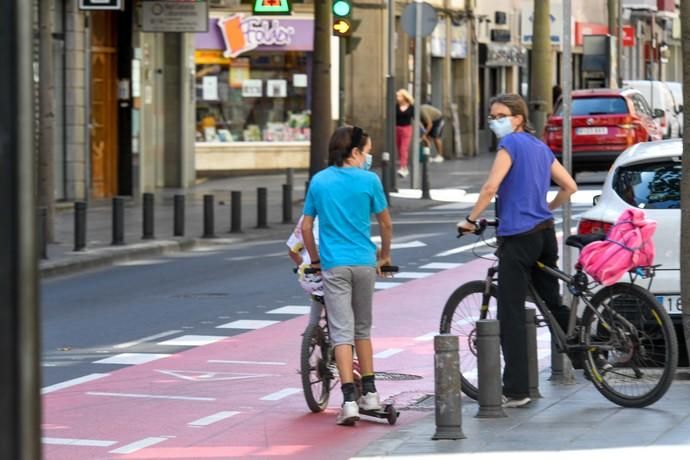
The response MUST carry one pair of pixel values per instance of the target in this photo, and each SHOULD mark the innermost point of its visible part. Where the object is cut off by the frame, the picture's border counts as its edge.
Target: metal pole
(540, 66)
(426, 195)
(20, 375)
(43, 232)
(236, 211)
(532, 356)
(209, 224)
(447, 388)
(147, 217)
(178, 215)
(287, 203)
(118, 221)
(79, 225)
(385, 175)
(290, 176)
(261, 207)
(414, 177)
(341, 81)
(489, 369)
(390, 98)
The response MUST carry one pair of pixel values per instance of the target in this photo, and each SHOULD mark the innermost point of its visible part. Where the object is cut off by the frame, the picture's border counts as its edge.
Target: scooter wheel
(392, 414)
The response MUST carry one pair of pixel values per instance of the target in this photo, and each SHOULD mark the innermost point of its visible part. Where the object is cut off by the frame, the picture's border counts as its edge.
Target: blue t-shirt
(344, 199)
(522, 194)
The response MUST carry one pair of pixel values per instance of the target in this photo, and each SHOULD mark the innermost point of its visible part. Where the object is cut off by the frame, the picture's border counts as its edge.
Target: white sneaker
(515, 402)
(370, 401)
(437, 159)
(403, 172)
(349, 414)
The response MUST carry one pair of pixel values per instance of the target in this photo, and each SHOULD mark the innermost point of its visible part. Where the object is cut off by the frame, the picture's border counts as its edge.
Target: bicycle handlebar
(384, 269)
(482, 224)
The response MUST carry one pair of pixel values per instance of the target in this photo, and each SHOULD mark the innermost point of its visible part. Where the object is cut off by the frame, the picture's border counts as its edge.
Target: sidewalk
(570, 421)
(62, 260)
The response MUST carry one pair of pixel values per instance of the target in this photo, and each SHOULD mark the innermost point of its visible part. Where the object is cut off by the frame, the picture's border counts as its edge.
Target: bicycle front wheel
(460, 315)
(314, 368)
(632, 351)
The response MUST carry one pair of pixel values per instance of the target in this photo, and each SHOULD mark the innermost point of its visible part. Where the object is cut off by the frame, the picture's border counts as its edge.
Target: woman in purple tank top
(521, 174)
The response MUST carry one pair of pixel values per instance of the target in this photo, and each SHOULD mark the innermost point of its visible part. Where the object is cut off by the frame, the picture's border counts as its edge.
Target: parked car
(659, 96)
(647, 176)
(677, 91)
(605, 122)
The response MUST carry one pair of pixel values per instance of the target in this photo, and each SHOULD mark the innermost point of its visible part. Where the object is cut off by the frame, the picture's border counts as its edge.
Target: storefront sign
(272, 7)
(588, 28)
(95, 5)
(500, 35)
(174, 16)
(628, 36)
(237, 34)
(458, 41)
(556, 19)
(506, 56)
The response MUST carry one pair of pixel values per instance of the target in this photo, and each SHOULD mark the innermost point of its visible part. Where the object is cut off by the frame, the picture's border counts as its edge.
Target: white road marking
(281, 394)
(193, 340)
(411, 244)
(142, 262)
(467, 247)
(426, 337)
(146, 339)
(290, 310)
(77, 442)
(443, 194)
(412, 275)
(386, 285)
(217, 417)
(388, 353)
(240, 258)
(204, 376)
(138, 445)
(145, 396)
(264, 363)
(247, 324)
(132, 358)
(71, 383)
(441, 266)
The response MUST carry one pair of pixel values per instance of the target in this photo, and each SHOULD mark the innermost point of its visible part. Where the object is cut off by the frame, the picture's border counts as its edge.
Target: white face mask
(501, 127)
(367, 161)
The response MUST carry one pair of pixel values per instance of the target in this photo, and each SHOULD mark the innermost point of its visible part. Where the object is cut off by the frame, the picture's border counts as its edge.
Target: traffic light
(342, 17)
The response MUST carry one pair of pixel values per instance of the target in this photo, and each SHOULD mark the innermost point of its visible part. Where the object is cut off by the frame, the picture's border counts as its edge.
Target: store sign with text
(96, 5)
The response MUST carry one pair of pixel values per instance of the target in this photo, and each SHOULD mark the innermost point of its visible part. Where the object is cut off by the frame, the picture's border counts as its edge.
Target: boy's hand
(380, 263)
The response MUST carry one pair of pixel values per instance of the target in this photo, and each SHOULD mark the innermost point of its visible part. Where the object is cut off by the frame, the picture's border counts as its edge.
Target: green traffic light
(341, 8)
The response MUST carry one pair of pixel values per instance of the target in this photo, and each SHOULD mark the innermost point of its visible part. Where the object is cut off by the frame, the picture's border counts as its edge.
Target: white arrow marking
(203, 376)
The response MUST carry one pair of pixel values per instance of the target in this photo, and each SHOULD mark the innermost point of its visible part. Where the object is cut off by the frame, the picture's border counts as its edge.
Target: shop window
(259, 96)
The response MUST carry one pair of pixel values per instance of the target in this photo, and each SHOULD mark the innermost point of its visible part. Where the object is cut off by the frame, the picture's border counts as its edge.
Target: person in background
(344, 196)
(404, 115)
(521, 176)
(432, 123)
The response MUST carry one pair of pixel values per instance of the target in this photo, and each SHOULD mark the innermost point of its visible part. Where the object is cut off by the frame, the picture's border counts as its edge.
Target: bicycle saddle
(580, 241)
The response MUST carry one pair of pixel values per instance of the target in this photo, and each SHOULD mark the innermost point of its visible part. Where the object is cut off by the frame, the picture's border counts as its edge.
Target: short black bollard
(79, 225)
(209, 224)
(489, 369)
(261, 207)
(118, 221)
(178, 215)
(147, 217)
(290, 176)
(43, 232)
(287, 203)
(447, 388)
(236, 211)
(426, 195)
(385, 175)
(532, 356)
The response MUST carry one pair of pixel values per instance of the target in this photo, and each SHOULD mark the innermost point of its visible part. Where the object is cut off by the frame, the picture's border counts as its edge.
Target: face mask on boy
(367, 162)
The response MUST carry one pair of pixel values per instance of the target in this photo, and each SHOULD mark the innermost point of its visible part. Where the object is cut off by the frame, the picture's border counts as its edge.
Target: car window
(649, 185)
(596, 106)
(640, 104)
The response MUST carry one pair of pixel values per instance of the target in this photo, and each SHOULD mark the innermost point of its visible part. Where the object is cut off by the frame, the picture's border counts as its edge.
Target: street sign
(272, 7)
(174, 16)
(101, 4)
(341, 27)
(429, 19)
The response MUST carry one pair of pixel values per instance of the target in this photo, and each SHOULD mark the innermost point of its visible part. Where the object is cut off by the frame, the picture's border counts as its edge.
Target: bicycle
(623, 335)
(318, 371)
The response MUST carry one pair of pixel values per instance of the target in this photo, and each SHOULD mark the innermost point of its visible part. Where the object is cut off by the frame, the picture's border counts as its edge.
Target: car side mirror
(680, 109)
(595, 199)
(658, 113)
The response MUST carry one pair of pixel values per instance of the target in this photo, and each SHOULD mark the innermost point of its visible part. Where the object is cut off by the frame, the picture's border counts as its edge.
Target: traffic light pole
(341, 81)
(390, 99)
(20, 403)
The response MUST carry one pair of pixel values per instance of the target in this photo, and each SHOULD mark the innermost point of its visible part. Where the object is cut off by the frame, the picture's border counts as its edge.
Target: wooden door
(103, 105)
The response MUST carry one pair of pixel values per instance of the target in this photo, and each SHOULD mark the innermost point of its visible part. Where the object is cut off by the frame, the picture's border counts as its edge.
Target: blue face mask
(501, 127)
(367, 162)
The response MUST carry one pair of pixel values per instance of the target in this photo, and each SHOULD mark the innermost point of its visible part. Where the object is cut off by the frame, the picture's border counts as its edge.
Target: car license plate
(591, 131)
(671, 303)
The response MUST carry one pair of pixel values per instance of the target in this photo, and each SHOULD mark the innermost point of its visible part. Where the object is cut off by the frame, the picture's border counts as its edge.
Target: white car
(677, 90)
(647, 176)
(659, 96)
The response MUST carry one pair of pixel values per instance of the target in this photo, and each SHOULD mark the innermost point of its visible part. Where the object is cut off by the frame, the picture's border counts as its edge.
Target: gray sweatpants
(349, 292)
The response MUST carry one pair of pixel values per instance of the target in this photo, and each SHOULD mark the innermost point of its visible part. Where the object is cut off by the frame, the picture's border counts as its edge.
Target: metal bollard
(489, 369)
(209, 224)
(147, 217)
(79, 225)
(178, 215)
(532, 356)
(447, 388)
(261, 207)
(385, 175)
(236, 212)
(561, 369)
(43, 232)
(287, 203)
(290, 176)
(426, 195)
(118, 221)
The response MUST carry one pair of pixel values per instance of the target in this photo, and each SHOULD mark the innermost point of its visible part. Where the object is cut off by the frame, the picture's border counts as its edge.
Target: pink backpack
(628, 245)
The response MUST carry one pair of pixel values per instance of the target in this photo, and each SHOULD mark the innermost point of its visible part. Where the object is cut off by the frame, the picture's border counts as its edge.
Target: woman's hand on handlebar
(466, 227)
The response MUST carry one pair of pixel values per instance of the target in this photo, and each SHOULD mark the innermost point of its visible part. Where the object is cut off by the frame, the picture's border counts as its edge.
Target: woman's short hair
(342, 141)
(517, 106)
(405, 95)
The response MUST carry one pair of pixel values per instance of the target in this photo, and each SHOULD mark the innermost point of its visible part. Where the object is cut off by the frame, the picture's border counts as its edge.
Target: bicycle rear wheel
(460, 314)
(632, 351)
(315, 368)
